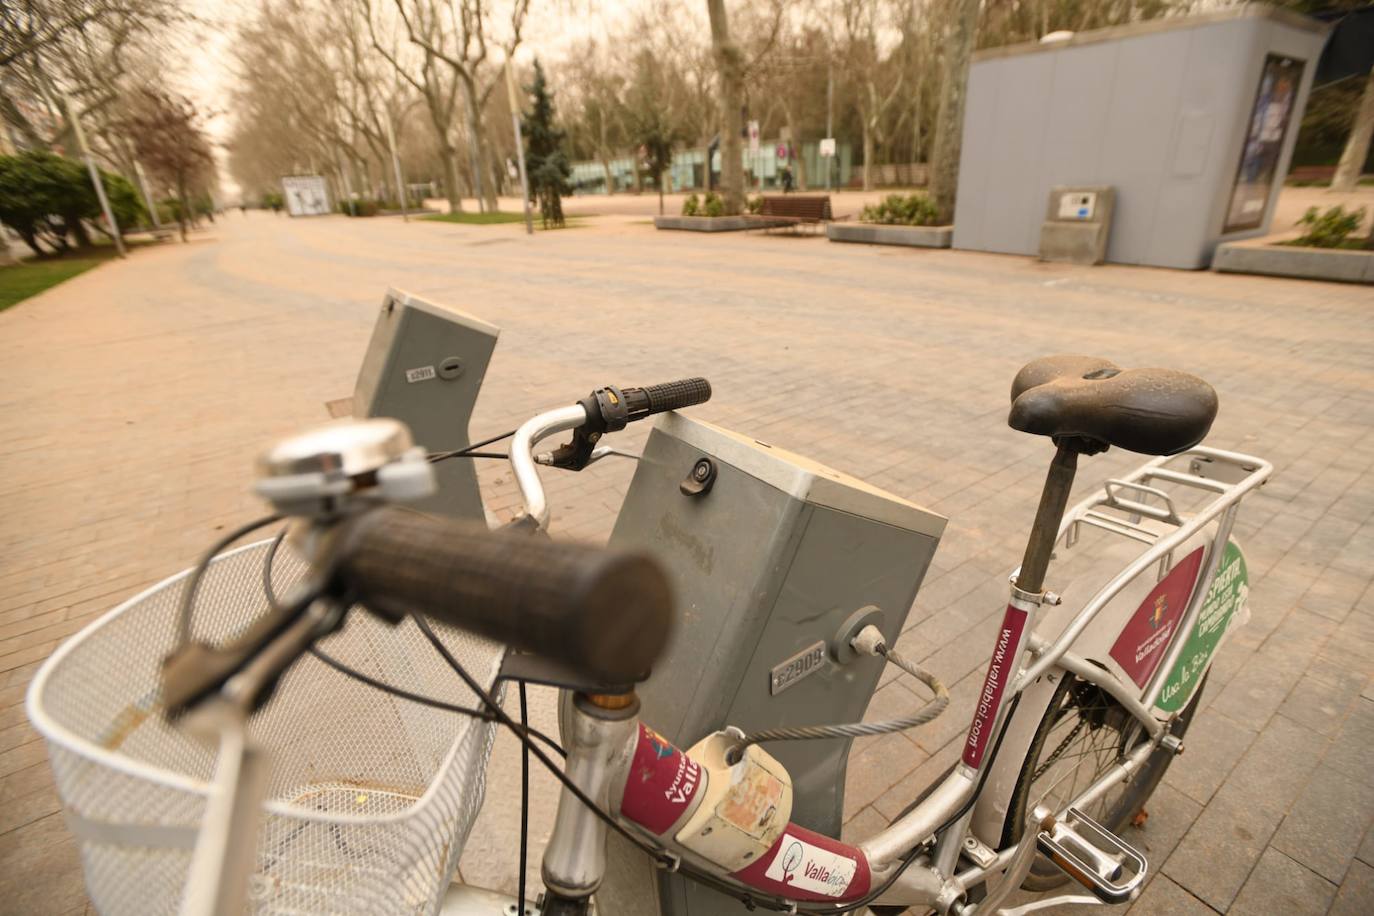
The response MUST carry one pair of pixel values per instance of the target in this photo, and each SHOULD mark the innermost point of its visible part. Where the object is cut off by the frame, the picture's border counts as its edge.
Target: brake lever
(606, 412)
(246, 671)
(548, 459)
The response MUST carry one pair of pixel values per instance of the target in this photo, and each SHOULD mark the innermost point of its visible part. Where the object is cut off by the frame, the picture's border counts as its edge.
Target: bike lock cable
(910, 857)
(924, 715)
(663, 858)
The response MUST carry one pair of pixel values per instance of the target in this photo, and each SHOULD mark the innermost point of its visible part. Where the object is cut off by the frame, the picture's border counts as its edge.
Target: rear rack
(1228, 476)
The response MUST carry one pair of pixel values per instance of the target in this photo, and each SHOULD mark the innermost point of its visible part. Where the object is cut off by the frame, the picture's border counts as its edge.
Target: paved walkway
(135, 397)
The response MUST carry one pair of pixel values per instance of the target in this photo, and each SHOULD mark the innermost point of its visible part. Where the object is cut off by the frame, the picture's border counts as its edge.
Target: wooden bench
(1312, 173)
(793, 210)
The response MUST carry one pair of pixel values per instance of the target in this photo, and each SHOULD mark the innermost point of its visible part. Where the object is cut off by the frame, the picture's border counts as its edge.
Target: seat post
(1045, 530)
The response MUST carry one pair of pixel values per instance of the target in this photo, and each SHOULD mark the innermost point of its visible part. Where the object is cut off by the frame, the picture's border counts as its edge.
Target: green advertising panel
(1226, 596)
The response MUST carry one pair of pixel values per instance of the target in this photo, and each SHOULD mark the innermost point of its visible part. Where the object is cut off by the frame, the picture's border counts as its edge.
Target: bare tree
(465, 51)
(170, 141)
(428, 77)
(949, 122)
(1357, 146)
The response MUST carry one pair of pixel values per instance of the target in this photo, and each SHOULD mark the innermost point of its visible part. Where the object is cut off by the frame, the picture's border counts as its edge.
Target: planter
(1294, 261)
(715, 223)
(876, 234)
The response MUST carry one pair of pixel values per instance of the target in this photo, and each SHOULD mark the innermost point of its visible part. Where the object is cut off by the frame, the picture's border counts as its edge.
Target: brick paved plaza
(135, 398)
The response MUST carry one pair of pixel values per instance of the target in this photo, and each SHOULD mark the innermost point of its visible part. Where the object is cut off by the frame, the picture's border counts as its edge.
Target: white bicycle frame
(934, 880)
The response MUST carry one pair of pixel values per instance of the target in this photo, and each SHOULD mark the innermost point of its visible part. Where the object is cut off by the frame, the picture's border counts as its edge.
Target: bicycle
(1061, 674)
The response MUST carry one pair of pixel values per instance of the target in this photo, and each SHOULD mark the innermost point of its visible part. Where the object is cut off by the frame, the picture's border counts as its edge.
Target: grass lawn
(487, 219)
(478, 219)
(20, 281)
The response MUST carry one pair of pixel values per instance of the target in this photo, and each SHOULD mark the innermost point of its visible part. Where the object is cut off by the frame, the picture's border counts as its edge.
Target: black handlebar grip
(604, 613)
(669, 396)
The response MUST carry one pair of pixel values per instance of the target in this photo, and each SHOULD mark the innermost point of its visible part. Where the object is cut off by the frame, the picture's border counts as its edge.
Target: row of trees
(99, 63)
(334, 88)
(353, 79)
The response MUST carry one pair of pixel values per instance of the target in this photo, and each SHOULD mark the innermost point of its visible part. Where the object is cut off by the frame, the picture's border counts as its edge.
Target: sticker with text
(422, 374)
(800, 865)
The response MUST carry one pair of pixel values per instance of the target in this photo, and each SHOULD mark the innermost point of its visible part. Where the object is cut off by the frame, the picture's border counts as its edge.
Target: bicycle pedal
(1094, 857)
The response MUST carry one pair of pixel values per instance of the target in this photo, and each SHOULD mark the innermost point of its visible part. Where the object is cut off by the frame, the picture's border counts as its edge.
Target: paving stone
(214, 331)
(1211, 748)
(1163, 897)
(1280, 885)
(1327, 821)
(1214, 859)
(874, 765)
(1356, 894)
(1349, 751)
(1215, 856)
(863, 825)
(1170, 814)
(1322, 702)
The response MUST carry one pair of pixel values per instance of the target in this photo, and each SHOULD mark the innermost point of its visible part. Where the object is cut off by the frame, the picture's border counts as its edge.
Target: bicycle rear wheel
(1083, 733)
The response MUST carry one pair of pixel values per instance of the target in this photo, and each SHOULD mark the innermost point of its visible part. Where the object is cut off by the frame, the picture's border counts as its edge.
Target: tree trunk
(949, 122)
(794, 143)
(610, 179)
(868, 156)
(1357, 147)
(183, 207)
(660, 193)
(449, 156)
(730, 70)
(474, 140)
(498, 176)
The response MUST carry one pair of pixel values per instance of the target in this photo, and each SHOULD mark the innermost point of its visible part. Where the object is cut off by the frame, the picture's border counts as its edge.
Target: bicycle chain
(1049, 762)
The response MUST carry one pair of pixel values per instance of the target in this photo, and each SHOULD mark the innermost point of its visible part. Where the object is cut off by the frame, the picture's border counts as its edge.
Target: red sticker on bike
(1000, 669)
(661, 785)
(803, 865)
(1146, 637)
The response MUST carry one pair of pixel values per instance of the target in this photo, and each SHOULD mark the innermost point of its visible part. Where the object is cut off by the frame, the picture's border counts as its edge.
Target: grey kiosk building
(1188, 123)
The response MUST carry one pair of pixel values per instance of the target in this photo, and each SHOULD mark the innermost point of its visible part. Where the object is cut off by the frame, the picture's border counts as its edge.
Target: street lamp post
(396, 165)
(95, 174)
(519, 148)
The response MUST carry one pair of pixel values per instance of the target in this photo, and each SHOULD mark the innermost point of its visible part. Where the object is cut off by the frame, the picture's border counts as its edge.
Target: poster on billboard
(305, 195)
(1264, 136)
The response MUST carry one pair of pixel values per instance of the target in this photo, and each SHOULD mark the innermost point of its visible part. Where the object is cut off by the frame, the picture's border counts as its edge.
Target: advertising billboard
(305, 195)
(1264, 136)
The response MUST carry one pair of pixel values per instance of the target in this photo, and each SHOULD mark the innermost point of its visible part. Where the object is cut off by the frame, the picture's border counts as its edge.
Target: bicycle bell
(317, 471)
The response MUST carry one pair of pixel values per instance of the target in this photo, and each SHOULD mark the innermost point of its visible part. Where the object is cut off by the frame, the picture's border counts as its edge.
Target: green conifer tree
(546, 159)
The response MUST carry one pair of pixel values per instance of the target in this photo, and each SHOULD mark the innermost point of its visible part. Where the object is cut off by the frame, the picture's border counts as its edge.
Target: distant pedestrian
(786, 179)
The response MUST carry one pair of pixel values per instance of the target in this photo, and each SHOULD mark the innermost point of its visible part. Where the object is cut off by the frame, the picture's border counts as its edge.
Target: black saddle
(1088, 404)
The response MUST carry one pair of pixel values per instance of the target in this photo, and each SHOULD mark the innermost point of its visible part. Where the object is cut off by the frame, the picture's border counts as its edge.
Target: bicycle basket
(371, 797)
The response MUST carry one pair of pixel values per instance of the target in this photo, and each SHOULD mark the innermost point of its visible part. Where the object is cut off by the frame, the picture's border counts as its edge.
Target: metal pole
(95, 174)
(396, 164)
(519, 148)
(829, 117)
(148, 198)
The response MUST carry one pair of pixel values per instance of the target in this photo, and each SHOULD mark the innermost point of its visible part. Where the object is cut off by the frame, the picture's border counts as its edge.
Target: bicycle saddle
(1090, 404)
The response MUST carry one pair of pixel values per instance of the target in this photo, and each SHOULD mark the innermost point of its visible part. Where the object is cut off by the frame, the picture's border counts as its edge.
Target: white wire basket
(371, 797)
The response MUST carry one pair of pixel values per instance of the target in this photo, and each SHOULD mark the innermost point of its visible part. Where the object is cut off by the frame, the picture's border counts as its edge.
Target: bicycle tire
(1076, 700)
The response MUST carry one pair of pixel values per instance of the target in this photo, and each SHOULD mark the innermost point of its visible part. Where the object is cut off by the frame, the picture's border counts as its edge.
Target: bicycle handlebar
(604, 410)
(641, 402)
(604, 613)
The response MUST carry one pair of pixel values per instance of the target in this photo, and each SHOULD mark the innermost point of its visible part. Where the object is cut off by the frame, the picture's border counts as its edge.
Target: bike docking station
(777, 563)
(750, 599)
(424, 366)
